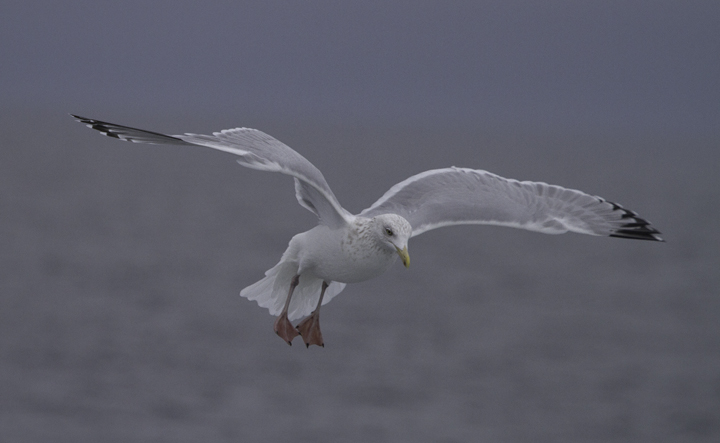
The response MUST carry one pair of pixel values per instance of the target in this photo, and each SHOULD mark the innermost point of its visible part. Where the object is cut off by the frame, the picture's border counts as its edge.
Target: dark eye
(389, 232)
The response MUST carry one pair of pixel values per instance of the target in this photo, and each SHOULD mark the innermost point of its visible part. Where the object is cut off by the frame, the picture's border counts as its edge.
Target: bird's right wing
(453, 196)
(256, 150)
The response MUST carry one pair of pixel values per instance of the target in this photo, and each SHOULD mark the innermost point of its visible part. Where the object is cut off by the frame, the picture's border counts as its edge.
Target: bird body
(350, 255)
(344, 255)
(346, 248)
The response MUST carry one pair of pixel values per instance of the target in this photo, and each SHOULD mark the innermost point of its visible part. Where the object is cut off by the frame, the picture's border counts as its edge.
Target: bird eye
(389, 232)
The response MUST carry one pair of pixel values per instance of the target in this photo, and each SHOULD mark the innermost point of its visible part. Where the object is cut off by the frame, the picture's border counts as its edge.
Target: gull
(345, 248)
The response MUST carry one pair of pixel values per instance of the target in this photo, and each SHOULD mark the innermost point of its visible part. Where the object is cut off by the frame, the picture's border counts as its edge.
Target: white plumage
(346, 248)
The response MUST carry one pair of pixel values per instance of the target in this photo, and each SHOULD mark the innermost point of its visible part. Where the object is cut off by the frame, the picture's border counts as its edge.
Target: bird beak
(403, 253)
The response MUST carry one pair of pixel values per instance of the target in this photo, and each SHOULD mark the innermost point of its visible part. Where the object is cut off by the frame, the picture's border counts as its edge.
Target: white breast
(343, 255)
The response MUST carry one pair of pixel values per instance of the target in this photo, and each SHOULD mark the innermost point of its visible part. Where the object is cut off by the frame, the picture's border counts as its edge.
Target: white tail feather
(271, 292)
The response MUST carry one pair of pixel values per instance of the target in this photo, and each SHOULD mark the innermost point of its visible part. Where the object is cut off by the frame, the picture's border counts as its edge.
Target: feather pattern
(453, 196)
(255, 150)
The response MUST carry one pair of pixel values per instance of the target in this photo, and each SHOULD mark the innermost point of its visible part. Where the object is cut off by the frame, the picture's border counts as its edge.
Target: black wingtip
(127, 133)
(82, 119)
(635, 235)
(102, 127)
(634, 227)
(91, 123)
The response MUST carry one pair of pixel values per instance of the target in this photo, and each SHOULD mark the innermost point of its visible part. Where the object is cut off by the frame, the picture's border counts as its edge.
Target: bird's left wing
(256, 150)
(454, 196)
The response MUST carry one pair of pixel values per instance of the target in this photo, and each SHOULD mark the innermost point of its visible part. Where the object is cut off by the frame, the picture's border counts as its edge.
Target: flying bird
(345, 248)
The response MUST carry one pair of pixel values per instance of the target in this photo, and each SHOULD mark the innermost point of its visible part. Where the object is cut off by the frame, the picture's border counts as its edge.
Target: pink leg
(310, 327)
(282, 326)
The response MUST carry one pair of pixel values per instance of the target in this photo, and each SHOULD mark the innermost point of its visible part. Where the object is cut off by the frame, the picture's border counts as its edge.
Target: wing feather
(453, 196)
(255, 150)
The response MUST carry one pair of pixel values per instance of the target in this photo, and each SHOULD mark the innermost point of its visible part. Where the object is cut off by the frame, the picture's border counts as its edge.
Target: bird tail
(271, 292)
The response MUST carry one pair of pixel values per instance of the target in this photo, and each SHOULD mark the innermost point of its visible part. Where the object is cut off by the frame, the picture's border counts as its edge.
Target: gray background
(121, 264)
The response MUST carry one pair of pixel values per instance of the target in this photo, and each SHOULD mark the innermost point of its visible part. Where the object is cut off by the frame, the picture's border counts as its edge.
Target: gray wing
(454, 196)
(256, 150)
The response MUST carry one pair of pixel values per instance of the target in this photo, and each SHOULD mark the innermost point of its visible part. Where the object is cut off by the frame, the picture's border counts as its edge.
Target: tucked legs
(310, 327)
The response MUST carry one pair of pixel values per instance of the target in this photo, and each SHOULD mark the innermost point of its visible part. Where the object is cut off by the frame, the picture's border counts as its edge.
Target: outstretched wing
(454, 196)
(256, 150)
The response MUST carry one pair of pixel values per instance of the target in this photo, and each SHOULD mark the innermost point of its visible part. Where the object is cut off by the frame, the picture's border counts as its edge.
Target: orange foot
(284, 329)
(310, 330)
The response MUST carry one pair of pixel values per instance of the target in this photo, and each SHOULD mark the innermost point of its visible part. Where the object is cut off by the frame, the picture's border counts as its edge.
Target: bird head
(393, 232)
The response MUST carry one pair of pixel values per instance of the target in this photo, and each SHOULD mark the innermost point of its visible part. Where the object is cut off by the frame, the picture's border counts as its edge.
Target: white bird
(346, 248)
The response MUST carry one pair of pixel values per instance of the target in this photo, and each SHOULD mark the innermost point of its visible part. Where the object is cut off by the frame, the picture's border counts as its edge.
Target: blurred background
(121, 264)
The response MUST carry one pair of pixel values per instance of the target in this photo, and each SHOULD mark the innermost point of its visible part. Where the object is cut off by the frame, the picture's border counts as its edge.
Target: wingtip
(84, 120)
(636, 235)
(633, 226)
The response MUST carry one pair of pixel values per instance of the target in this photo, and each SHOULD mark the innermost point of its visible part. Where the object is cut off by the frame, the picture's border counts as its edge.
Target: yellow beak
(403, 253)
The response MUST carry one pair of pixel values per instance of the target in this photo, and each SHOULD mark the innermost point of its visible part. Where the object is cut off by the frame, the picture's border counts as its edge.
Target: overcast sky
(618, 65)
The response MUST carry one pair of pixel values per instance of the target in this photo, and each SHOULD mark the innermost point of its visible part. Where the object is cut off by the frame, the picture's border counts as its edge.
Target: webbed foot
(284, 329)
(310, 330)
